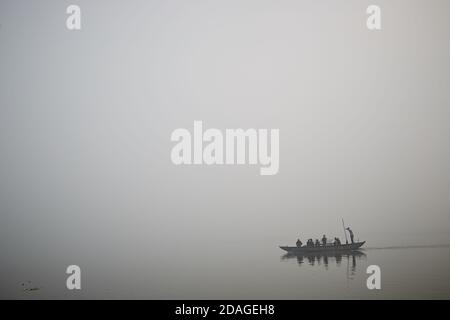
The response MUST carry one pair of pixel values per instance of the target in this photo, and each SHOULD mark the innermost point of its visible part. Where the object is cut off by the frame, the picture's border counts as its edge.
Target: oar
(345, 232)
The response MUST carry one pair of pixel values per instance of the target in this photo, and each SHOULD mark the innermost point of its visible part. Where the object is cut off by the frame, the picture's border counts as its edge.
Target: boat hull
(328, 248)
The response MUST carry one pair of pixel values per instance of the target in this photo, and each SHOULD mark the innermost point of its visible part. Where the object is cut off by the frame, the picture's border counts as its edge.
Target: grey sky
(86, 118)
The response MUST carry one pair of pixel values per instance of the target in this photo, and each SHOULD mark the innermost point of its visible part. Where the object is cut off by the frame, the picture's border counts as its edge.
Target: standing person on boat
(351, 234)
(317, 244)
(299, 243)
(324, 240)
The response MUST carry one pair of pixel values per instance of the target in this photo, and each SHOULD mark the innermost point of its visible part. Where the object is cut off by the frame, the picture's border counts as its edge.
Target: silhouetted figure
(324, 240)
(317, 243)
(337, 242)
(298, 243)
(310, 243)
(351, 234)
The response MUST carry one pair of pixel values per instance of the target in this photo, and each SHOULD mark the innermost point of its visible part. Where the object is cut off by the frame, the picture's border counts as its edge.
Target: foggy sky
(86, 118)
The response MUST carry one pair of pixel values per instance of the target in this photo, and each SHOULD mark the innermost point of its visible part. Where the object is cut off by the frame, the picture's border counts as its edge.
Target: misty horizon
(86, 118)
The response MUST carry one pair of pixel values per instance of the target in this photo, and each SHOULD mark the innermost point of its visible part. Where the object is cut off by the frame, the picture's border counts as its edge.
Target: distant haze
(86, 117)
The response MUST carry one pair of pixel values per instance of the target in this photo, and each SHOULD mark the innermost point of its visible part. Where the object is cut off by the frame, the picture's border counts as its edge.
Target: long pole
(345, 232)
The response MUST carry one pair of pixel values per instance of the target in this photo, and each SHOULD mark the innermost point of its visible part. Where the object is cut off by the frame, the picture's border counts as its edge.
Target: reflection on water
(324, 259)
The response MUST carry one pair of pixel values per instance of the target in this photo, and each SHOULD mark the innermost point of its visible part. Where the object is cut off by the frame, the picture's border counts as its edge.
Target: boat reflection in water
(325, 258)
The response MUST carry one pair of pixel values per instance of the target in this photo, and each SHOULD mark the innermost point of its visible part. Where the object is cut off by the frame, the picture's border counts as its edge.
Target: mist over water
(258, 273)
(86, 176)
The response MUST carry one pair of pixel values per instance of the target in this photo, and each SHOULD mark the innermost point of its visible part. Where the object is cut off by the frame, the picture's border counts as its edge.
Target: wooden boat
(328, 248)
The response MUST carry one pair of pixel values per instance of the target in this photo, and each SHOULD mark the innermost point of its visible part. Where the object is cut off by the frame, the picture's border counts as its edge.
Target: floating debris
(29, 288)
